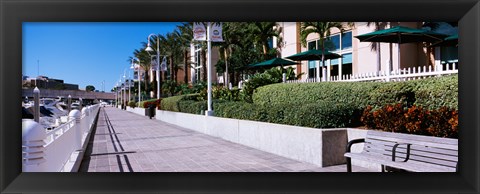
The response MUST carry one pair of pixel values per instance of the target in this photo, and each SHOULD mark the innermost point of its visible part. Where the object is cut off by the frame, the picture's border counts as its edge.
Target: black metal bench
(406, 152)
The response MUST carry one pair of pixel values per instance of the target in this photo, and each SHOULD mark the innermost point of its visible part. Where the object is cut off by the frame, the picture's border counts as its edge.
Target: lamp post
(125, 101)
(132, 66)
(120, 92)
(116, 96)
(129, 87)
(148, 49)
(209, 72)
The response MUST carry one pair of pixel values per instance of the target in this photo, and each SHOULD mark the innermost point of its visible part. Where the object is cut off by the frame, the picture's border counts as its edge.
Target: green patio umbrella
(313, 55)
(272, 63)
(400, 35)
(448, 41)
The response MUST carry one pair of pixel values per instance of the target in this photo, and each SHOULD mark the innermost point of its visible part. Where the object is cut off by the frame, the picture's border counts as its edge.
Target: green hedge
(237, 110)
(327, 104)
(172, 103)
(320, 115)
(431, 93)
(438, 92)
(192, 106)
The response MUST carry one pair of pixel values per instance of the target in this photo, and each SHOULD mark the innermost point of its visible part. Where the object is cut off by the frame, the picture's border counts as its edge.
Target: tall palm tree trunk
(155, 78)
(226, 70)
(146, 82)
(172, 71)
(264, 51)
(185, 65)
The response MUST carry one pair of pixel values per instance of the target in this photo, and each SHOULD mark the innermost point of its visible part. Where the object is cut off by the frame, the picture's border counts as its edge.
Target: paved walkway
(126, 142)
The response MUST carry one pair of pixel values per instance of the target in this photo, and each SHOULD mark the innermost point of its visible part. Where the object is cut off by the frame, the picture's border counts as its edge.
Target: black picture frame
(14, 12)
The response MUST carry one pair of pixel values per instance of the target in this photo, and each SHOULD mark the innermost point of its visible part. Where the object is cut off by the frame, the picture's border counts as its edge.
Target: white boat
(53, 112)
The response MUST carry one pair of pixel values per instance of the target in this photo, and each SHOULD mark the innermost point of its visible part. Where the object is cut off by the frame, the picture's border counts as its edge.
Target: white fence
(61, 149)
(396, 75)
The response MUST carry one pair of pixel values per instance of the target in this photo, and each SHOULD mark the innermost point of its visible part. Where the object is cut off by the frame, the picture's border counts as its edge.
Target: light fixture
(148, 49)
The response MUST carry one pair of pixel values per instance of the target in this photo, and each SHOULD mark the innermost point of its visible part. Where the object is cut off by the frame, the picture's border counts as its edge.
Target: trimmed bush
(143, 105)
(319, 115)
(429, 93)
(442, 122)
(438, 92)
(236, 110)
(310, 93)
(192, 106)
(147, 103)
(132, 104)
(171, 103)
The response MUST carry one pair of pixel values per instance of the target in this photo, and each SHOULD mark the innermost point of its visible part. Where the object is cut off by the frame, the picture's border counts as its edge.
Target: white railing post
(92, 114)
(76, 115)
(33, 146)
(86, 119)
(388, 71)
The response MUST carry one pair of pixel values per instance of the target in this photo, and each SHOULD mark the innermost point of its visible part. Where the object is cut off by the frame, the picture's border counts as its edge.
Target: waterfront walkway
(127, 142)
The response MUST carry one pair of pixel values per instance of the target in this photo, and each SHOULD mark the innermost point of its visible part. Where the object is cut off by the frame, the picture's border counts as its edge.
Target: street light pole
(209, 72)
(116, 97)
(158, 62)
(138, 77)
(129, 88)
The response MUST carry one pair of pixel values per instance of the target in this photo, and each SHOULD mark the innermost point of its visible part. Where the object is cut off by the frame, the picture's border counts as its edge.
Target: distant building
(47, 83)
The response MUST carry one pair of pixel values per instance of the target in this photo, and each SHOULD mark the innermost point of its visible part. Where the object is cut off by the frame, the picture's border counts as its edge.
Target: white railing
(63, 145)
(56, 133)
(410, 73)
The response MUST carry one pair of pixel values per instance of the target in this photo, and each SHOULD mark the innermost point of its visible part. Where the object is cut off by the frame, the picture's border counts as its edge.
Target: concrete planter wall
(136, 110)
(323, 147)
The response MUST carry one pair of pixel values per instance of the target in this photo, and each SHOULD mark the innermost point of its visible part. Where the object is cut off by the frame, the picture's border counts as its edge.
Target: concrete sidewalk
(126, 142)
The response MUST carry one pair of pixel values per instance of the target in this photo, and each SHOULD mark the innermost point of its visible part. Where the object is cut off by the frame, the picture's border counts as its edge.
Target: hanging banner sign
(199, 31)
(164, 64)
(154, 65)
(216, 32)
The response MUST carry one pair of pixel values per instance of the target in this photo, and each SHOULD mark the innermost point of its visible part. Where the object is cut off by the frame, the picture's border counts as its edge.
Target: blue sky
(84, 53)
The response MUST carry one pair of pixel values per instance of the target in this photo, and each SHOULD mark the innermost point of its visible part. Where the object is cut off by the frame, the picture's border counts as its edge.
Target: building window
(347, 58)
(448, 54)
(347, 40)
(312, 45)
(333, 43)
(197, 65)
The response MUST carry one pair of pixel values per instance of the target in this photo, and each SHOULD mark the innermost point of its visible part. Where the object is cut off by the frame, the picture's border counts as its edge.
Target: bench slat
(427, 154)
(429, 144)
(416, 147)
(410, 165)
(421, 138)
(402, 149)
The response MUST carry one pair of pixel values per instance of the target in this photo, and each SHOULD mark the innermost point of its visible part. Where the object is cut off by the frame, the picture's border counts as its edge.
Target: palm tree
(231, 39)
(144, 58)
(185, 38)
(323, 30)
(263, 31)
(175, 47)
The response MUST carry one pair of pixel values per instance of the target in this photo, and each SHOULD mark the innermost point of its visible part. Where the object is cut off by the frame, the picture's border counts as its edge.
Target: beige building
(359, 57)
